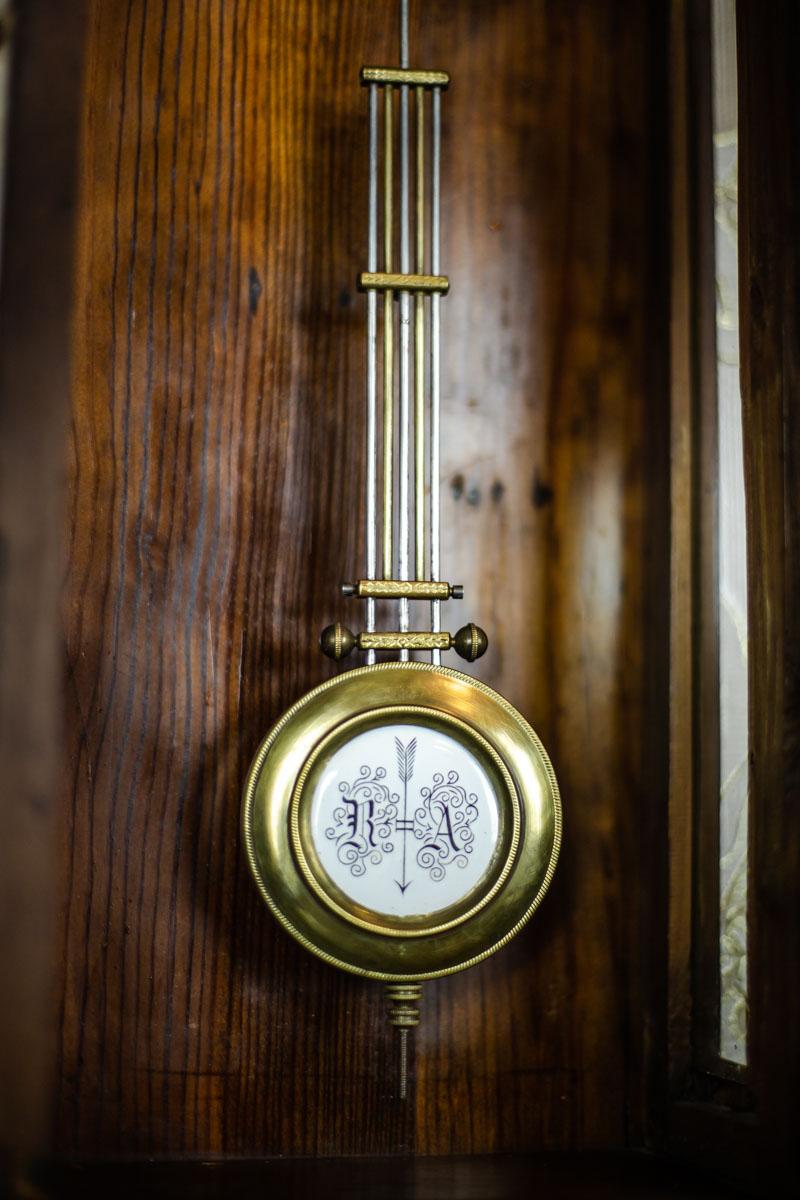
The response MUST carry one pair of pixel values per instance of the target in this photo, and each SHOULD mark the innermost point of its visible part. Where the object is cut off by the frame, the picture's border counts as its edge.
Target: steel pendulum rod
(436, 154)
(372, 337)
(388, 341)
(403, 1088)
(419, 346)
(404, 1001)
(405, 332)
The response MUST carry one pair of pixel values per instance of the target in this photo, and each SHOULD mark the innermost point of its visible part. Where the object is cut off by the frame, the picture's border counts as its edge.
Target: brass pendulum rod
(372, 339)
(419, 346)
(405, 332)
(388, 340)
(399, 496)
(436, 154)
(408, 573)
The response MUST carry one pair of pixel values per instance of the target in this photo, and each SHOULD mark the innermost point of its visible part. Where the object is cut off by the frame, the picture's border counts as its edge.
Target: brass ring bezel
(496, 873)
(266, 832)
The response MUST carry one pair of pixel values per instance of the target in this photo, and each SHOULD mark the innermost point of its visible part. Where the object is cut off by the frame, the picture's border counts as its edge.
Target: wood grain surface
(215, 496)
(40, 82)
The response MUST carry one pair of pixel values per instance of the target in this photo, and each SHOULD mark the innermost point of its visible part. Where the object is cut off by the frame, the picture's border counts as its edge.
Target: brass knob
(470, 642)
(336, 641)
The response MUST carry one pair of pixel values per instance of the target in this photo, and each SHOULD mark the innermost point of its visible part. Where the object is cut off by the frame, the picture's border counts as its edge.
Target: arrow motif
(405, 768)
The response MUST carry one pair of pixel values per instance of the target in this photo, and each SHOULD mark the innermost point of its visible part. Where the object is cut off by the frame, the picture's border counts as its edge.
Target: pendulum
(402, 820)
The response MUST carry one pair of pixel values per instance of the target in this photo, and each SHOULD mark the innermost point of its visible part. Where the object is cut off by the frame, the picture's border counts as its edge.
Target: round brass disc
(295, 888)
(500, 865)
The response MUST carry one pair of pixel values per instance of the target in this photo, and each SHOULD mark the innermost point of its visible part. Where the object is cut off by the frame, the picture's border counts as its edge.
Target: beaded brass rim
(266, 824)
(493, 878)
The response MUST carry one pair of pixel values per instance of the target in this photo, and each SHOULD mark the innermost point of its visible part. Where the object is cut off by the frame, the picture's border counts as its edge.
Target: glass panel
(732, 551)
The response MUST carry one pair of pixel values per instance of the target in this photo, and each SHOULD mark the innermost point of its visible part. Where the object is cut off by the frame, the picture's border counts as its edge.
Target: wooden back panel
(215, 491)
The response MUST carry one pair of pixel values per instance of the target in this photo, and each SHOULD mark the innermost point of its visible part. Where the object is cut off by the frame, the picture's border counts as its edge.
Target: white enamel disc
(404, 819)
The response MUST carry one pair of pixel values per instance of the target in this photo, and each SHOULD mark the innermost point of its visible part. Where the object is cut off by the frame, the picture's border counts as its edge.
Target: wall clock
(402, 820)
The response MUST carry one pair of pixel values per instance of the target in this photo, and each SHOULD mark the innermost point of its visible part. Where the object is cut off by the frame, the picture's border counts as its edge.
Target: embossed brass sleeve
(413, 589)
(398, 640)
(337, 641)
(383, 281)
(401, 75)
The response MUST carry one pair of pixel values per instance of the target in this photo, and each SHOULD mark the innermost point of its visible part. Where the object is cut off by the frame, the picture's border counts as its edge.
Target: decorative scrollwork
(443, 823)
(364, 822)
(370, 819)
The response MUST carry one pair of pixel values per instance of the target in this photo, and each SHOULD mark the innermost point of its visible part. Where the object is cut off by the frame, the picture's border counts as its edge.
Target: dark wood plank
(683, 458)
(706, 782)
(213, 512)
(35, 321)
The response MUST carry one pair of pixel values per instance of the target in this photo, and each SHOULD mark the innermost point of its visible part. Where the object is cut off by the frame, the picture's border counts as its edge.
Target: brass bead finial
(336, 641)
(470, 642)
(403, 997)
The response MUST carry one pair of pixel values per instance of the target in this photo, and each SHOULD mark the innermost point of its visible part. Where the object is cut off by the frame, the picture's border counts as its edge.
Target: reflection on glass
(732, 551)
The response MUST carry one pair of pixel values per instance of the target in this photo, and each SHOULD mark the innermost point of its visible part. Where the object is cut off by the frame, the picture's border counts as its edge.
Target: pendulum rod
(403, 1084)
(388, 340)
(372, 338)
(405, 331)
(419, 348)
(405, 267)
(436, 156)
(408, 418)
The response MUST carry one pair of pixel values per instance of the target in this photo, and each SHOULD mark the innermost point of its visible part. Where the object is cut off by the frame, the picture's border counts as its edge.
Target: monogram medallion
(404, 819)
